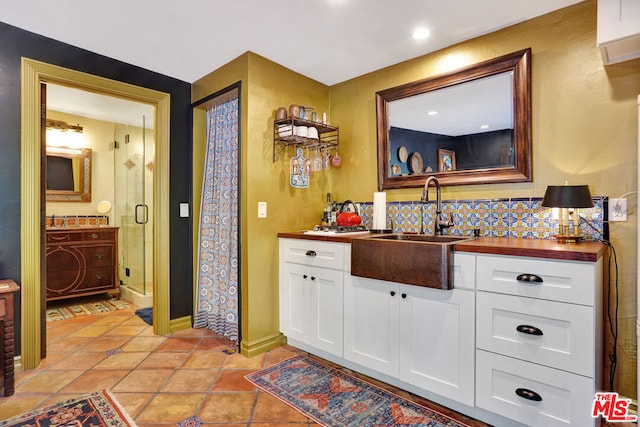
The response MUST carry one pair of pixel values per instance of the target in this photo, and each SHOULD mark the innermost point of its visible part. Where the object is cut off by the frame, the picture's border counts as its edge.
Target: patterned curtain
(217, 284)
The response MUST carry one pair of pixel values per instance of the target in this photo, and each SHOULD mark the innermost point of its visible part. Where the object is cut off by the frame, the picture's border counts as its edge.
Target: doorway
(120, 136)
(34, 73)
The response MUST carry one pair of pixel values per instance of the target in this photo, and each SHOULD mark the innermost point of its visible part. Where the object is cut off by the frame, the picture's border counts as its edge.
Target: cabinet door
(311, 306)
(437, 341)
(371, 323)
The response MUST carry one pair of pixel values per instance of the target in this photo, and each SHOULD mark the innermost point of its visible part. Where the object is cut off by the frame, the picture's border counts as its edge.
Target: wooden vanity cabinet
(81, 261)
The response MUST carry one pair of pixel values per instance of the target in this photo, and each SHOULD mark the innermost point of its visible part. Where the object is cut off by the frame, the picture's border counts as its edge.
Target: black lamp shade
(567, 196)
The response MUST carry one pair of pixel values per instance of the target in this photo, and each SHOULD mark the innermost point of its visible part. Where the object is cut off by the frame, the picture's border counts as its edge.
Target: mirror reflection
(469, 126)
(68, 174)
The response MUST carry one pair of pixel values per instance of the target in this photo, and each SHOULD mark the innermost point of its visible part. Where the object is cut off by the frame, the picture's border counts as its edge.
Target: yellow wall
(585, 121)
(265, 87)
(584, 131)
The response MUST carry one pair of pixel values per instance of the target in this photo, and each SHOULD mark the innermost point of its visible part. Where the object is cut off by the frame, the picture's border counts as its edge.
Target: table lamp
(568, 198)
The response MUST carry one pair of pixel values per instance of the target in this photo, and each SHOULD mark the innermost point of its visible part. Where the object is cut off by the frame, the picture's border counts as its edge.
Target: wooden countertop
(82, 227)
(536, 248)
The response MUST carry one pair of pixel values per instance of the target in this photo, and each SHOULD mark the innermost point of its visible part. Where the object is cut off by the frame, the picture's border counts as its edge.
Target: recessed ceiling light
(431, 113)
(421, 33)
(484, 127)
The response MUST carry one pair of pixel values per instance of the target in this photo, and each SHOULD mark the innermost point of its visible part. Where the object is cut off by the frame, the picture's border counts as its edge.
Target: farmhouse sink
(415, 259)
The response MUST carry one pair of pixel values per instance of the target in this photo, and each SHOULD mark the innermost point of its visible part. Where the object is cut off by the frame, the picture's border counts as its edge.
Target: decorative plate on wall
(395, 170)
(403, 154)
(415, 163)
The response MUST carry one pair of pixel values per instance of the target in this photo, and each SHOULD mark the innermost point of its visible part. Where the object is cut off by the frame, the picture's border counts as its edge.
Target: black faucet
(441, 220)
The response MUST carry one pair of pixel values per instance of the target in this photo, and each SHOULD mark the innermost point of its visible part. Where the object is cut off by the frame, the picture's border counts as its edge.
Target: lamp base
(568, 238)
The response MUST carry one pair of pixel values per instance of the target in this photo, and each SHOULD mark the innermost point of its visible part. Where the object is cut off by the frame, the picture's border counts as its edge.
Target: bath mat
(84, 307)
(98, 409)
(333, 398)
(146, 314)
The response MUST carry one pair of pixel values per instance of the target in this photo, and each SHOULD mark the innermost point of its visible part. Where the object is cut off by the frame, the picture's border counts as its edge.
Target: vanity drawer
(93, 235)
(313, 253)
(566, 398)
(505, 324)
(568, 281)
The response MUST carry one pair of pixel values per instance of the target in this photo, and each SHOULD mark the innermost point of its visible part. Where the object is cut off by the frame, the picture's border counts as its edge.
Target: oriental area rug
(84, 307)
(97, 409)
(334, 398)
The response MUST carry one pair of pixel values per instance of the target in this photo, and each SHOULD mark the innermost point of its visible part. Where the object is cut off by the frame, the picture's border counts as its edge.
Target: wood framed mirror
(479, 116)
(68, 174)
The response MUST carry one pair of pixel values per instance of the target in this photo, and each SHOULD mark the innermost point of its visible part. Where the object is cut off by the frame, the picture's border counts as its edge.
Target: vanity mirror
(68, 174)
(478, 116)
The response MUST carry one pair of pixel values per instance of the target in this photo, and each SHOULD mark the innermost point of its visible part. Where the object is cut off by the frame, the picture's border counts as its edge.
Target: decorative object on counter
(348, 218)
(104, 207)
(281, 113)
(379, 223)
(446, 160)
(299, 170)
(568, 199)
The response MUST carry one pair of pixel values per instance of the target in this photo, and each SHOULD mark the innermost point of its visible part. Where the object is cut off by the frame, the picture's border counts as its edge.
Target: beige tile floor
(160, 380)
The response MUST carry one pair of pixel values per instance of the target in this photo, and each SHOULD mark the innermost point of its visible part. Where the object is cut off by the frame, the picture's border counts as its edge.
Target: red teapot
(347, 218)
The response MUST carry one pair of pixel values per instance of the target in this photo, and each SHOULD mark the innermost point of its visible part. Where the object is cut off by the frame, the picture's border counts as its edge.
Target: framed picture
(446, 160)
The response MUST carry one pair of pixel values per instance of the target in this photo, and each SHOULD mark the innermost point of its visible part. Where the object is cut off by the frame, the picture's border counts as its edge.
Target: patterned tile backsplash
(76, 220)
(518, 217)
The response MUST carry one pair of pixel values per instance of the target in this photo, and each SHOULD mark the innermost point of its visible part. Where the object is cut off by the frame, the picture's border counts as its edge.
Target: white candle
(379, 211)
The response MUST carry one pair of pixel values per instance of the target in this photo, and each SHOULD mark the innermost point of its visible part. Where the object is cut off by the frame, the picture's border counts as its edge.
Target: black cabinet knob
(311, 253)
(393, 293)
(404, 296)
(304, 276)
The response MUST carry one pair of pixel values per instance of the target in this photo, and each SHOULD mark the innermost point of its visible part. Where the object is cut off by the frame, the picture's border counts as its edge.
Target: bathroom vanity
(81, 261)
(517, 341)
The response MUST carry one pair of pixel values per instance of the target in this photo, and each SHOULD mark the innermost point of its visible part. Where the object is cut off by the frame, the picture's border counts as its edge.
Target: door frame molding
(34, 73)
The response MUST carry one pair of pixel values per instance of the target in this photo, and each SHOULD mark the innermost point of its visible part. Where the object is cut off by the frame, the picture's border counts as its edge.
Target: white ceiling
(328, 40)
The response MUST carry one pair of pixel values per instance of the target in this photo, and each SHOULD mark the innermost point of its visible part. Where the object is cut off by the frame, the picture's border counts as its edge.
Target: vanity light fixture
(62, 134)
(568, 199)
(62, 126)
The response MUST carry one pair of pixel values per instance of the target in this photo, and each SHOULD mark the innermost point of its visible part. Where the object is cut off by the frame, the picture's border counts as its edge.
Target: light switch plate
(262, 209)
(618, 210)
(184, 210)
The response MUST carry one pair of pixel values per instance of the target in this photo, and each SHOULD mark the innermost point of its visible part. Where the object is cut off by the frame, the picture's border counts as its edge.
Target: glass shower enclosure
(133, 213)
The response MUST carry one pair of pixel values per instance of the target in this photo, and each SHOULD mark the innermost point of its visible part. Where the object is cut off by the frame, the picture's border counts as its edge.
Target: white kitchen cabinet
(371, 323)
(311, 293)
(437, 341)
(423, 336)
(618, 30)
(539, 335)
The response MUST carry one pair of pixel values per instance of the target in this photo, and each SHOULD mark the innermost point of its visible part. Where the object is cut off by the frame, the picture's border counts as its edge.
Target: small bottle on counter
(326, 214)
